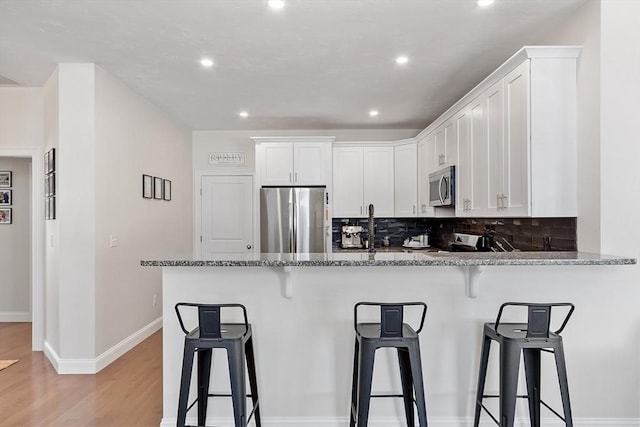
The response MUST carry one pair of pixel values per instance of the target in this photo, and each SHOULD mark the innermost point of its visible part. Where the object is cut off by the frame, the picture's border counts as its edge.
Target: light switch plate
(113, 240)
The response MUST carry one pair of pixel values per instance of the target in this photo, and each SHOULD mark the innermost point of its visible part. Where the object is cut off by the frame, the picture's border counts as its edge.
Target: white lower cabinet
(406, 180)
(363, 175)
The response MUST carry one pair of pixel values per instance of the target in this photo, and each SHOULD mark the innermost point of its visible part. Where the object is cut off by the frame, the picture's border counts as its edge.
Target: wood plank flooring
(126, 393)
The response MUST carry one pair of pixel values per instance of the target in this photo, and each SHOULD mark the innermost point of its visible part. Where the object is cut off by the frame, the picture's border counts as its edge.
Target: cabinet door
(478, 172)
(405, 180)
(450, 142)
(495, 131)
(515, 197)
(310, 161)
(424, 210)
(277, 164)
(347, 182)
(440, 150)
(464, 167)
(378, 180)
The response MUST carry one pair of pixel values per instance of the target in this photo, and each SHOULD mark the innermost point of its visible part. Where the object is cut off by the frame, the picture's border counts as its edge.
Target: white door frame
(37, 240)
(197, 202)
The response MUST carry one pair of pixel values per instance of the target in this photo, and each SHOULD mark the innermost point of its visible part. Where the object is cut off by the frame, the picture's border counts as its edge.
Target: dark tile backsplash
(526, 234)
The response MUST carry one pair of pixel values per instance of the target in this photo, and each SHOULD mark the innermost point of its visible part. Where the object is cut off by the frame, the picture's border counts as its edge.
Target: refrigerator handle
(294, 219)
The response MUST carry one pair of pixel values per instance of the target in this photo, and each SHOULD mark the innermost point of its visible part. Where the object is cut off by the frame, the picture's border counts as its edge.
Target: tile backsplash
(526, 234)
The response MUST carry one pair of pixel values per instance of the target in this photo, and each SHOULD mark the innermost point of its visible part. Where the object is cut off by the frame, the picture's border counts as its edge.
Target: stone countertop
(391, 259)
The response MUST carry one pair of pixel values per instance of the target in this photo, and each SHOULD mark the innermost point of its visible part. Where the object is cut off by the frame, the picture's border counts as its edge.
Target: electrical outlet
(155, 300)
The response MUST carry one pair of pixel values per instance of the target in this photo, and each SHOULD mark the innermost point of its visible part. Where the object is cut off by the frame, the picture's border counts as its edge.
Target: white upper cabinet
(363, 175)
(406, 180)
(424, 210)
(516, 138)
(293, 161)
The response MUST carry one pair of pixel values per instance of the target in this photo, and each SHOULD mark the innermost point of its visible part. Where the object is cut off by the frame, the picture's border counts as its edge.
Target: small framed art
(166, 189)
(5, 179)
(157, 188)
(6, 198)
(147, 186)
(5, 215)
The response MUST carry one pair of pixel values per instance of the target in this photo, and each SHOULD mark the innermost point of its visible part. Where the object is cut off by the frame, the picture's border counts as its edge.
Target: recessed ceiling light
(243, 114)
(276, 4)
(206, 62)
(484, 2)
(373, 113)
(402, 59)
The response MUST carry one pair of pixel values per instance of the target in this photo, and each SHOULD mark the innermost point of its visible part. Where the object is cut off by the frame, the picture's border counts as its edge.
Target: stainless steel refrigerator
(292, 219)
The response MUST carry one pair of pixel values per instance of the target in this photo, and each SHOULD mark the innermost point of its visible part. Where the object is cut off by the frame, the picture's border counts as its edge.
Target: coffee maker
(351, 236)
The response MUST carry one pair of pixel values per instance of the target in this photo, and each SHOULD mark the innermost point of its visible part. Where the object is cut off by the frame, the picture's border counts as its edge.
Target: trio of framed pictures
(6, 197)
(50, 184)
(157, 188)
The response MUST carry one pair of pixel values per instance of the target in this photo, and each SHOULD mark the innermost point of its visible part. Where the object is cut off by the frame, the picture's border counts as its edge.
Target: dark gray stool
(390, 332)
(531, 338)
(236, 338)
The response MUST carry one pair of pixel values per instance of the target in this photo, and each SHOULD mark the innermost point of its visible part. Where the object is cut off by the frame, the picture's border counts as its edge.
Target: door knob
(248, 246)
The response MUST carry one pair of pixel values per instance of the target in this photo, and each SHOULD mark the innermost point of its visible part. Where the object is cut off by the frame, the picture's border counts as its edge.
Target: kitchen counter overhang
(391, 259)
(471, 264)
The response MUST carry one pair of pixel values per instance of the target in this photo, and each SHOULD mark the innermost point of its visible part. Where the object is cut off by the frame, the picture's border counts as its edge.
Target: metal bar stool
(390, 332)
(236, 338)
(532, 338)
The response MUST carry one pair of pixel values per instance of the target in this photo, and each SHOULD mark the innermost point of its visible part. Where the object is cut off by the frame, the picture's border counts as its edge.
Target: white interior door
(227, 214)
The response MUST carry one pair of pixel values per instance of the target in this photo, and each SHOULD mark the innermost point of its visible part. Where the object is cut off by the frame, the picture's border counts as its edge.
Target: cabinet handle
(296, 177)
(441, 159)
(503, 204)
(498, 201)
(424, 208)
(414, 209)
(289, 176)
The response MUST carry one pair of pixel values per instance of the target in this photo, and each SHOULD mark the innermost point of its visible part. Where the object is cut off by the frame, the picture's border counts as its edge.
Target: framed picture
(6, 198)
(157, 188)
(147, 186)
(51, 202)
(51, 160)
(166, 189)
(5, 215)
(5, 179)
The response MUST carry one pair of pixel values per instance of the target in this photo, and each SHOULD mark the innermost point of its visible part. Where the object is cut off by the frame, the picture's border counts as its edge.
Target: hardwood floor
(126, 393)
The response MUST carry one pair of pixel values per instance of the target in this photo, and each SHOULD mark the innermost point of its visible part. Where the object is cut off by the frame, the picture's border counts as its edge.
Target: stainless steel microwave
(442, 187)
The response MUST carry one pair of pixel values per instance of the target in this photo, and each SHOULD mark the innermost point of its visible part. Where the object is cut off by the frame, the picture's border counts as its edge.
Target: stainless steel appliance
(442, 187)
(292, 219)
(351, 236)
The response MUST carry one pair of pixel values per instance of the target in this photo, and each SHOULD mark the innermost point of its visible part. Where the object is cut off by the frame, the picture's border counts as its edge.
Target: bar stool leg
(253, 381)
(236, 357)
(204, 375)
(185, 381)
(482, 376)
(365, 378)
(532, 371)
(564, 385)
(407, 384)
(509, 367)
(354, 385)
(418, 384)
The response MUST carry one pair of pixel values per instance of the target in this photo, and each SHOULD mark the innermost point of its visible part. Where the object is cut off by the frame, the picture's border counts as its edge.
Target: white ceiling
(316, 64)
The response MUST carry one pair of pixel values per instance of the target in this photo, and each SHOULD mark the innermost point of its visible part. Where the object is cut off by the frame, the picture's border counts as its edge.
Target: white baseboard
(93, 366)
(398, 422)
(15, 316)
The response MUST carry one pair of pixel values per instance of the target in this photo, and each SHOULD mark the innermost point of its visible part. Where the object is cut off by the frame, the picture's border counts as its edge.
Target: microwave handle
(442, 179)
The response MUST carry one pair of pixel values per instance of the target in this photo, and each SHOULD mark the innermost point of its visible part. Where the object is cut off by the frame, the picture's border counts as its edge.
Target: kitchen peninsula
(304, 345)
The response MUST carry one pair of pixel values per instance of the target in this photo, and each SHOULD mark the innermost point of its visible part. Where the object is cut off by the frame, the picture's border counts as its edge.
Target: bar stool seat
(529, 339)
(210, 334)
(389, 332)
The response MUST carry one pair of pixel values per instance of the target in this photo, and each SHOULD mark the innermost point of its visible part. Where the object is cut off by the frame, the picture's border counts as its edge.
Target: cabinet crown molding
(374, 143)
(292, 139)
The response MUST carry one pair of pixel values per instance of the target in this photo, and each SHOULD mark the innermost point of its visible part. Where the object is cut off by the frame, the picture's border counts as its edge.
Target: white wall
(51, 281)
(205, 142)
(133, 138)
(76, 210)
(15, 245)
(21, 124)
